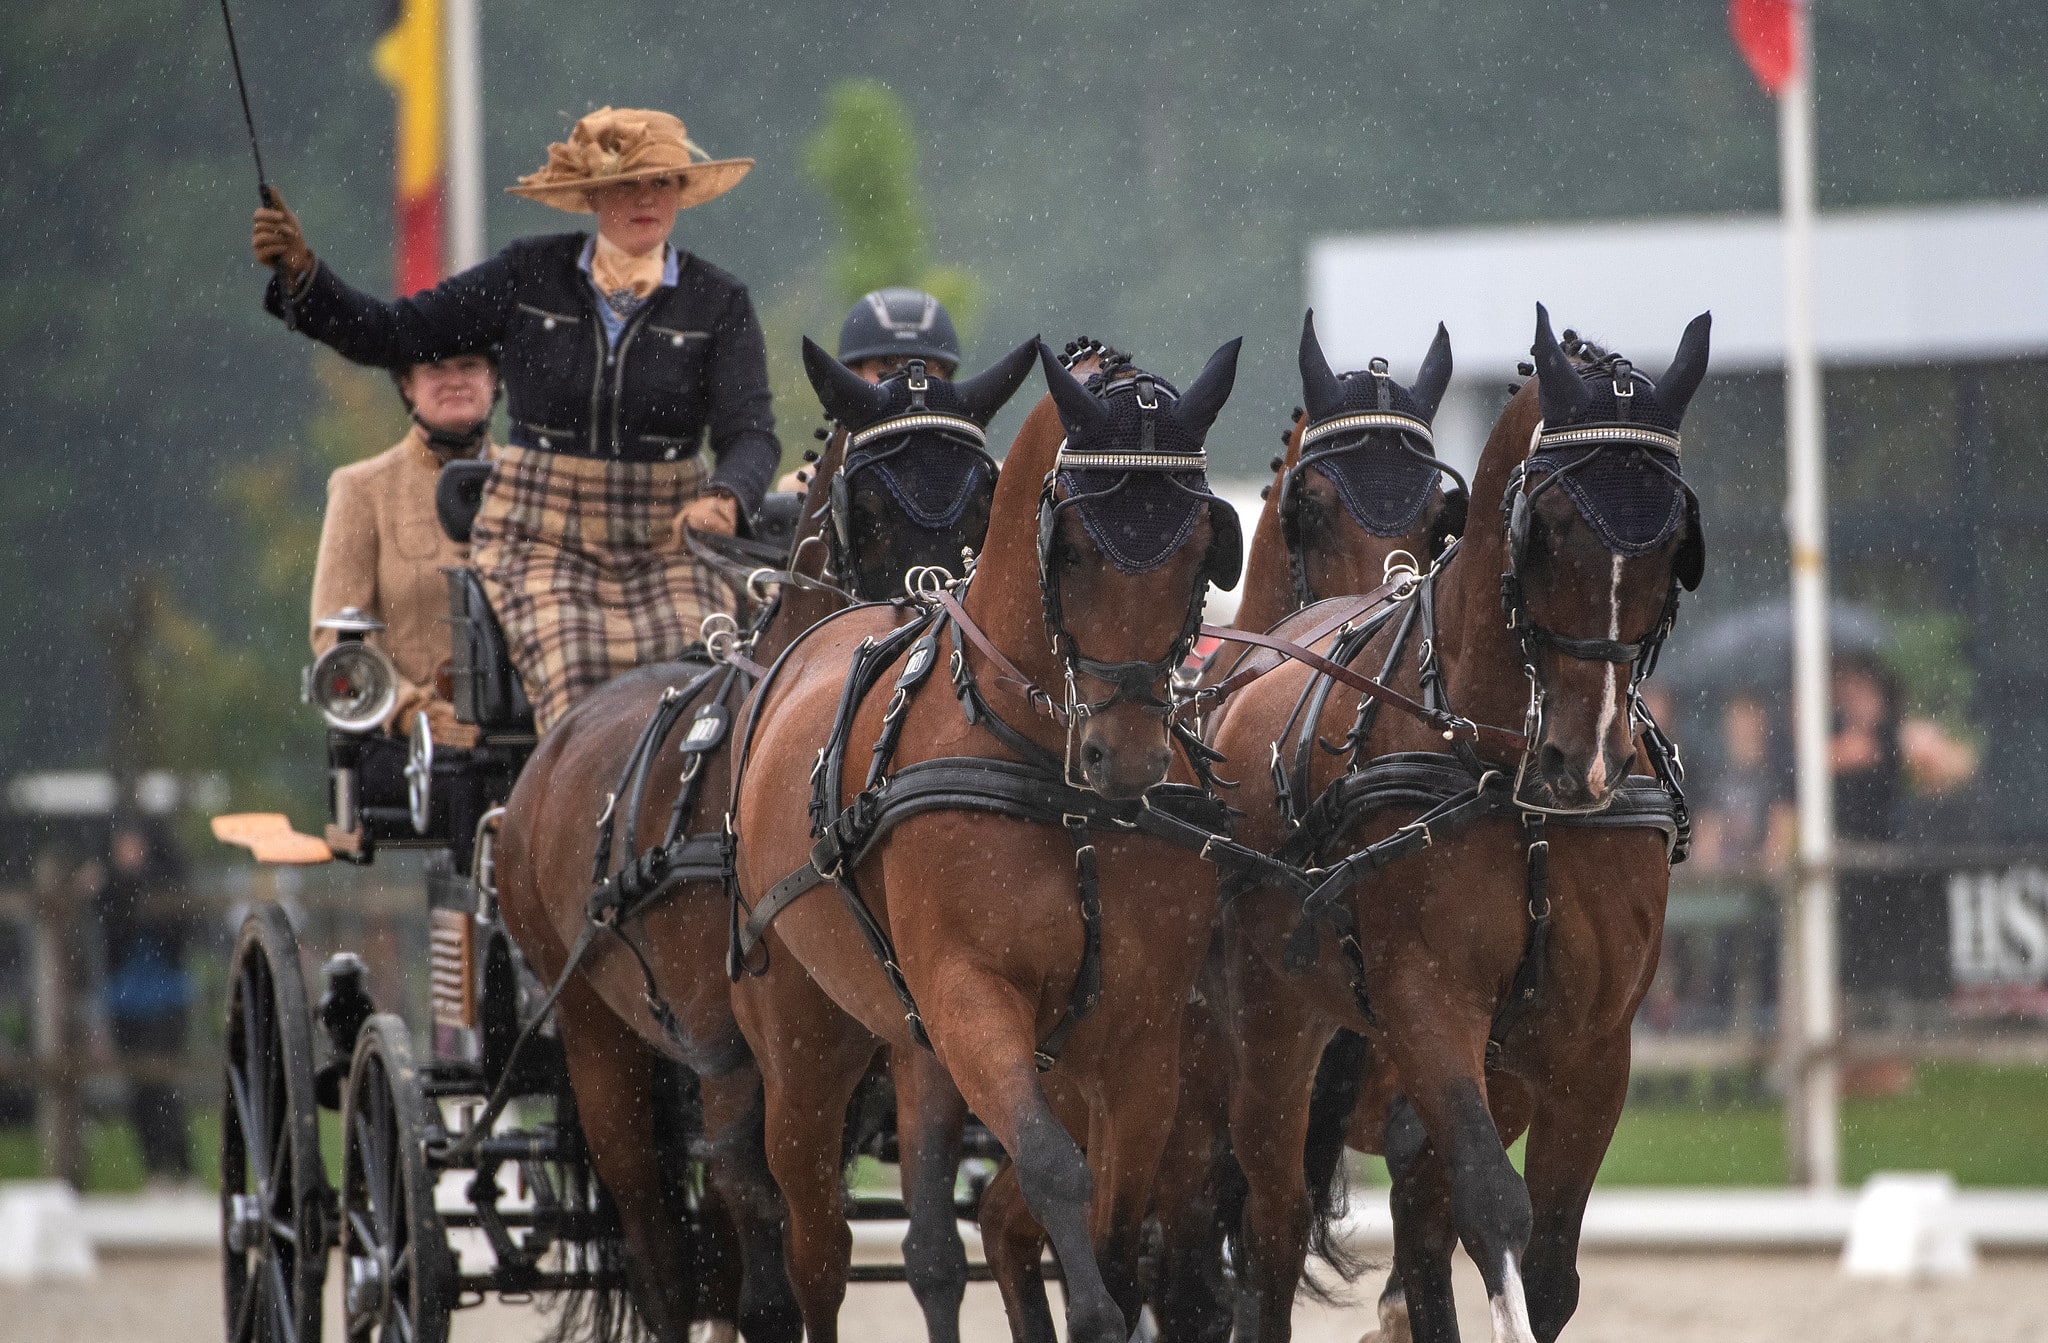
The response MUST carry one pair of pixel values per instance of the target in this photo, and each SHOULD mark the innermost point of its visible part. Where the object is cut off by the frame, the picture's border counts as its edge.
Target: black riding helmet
(455, 443)
(899, 321)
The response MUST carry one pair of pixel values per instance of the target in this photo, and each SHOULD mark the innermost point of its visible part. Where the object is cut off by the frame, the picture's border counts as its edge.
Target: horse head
(1363, 482)
(1129, 539)
(1602, 532)
(915, 481)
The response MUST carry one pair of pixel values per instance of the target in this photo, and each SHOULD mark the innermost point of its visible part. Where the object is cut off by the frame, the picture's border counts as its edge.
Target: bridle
(1340, 434)
(894, 435)
(1658, 446)
(1137, 682)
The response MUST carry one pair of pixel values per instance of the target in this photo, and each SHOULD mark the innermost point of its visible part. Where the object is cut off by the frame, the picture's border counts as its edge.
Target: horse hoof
(1097, 1326)
(1393, 1323)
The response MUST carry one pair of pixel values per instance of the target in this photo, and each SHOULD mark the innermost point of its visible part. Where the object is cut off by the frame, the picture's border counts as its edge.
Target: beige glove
(278, 240)
(712, 511)
(440, 717)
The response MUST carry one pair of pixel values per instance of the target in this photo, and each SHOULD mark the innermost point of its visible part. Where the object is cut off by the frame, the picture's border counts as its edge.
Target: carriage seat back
(458, 494)
(775, 524)
(488, 692)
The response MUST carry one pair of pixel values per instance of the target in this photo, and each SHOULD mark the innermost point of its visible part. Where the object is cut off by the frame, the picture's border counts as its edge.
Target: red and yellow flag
(408, 57)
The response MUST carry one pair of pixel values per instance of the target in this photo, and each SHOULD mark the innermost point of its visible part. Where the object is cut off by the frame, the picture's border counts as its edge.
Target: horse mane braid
(1114, 362)
(1590, 356)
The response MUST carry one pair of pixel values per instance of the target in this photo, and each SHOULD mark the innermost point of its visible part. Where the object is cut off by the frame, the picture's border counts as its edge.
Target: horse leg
(618, 1073)
(807, 1098)
(1439, 1062)
(1416, 1306)
(1015, 1247)
(1194, 1196)
(1198, 1192)
(734, 1124)
(1127, 1134)
(995, 1071)
(930, 1116)
(1568, 1136)
(1276, 1041)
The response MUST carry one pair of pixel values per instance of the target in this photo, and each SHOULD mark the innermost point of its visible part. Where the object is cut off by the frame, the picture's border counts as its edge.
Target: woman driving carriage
(620, 351)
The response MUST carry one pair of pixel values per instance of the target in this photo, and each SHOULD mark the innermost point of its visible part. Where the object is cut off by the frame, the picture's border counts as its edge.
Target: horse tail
(1331, 1101)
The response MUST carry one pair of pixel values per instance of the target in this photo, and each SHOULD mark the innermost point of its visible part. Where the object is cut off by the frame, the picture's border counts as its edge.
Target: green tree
(864, 158)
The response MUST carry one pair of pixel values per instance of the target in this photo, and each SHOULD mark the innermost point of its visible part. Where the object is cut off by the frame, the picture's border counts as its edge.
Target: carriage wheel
(399, 1275)
(273, 1187)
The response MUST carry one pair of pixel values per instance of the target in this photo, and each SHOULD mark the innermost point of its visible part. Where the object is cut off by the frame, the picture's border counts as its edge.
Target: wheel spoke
(255, 1142)
(281, 1302)
(365, 1233)
(281, 1190)
(401, 1266)
(369, 1166)
(283, 1230)
(401, 1319)
(245, 1313)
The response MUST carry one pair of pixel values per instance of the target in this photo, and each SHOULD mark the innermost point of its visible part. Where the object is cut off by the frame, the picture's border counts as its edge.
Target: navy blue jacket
(689, 360)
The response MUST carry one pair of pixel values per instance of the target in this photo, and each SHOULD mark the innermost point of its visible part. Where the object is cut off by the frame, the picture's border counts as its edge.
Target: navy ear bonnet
(1633, 500)
(1140, 519)
(1382, 483)
(924, 471)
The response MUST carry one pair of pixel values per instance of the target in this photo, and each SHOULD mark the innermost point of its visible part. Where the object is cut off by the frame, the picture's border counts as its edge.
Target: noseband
(1659, 447)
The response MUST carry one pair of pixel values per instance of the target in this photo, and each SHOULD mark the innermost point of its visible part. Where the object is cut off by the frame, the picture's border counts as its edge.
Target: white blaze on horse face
(1610, 689)
(1511, 1308)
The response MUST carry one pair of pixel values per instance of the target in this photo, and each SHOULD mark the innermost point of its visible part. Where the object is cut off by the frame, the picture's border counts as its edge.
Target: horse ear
(1198, 406)
(1565, 398)
(984, 394)
(1080, 414)
(847, 397)
(1428, 390)
(1321, 393)
(1688, 366)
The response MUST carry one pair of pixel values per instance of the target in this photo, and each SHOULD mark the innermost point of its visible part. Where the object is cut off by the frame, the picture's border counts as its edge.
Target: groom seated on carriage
(382, 546)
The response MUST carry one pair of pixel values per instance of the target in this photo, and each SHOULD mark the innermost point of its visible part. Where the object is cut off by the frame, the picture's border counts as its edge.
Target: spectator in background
(1745, 815)
(147, 995)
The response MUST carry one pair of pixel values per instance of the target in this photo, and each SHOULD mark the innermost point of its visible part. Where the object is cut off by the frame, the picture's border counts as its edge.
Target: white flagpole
(1811, 1109)
(465, 132)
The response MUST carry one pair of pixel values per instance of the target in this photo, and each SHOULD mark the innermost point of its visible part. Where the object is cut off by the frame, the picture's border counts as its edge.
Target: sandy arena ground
(1670, 1298)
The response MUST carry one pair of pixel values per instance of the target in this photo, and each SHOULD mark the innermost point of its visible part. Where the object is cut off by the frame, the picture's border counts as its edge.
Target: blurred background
(1164, 180)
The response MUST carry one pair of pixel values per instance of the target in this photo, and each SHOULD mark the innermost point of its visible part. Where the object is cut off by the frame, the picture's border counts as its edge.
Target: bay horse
(1007, 896)
(1367, 490)
(1495, 913)
(904, 482)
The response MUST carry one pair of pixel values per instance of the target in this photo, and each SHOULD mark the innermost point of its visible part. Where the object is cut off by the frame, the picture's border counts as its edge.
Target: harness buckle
(1428, 840)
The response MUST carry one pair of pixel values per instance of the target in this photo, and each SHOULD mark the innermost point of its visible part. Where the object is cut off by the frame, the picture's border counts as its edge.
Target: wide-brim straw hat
(626, 144)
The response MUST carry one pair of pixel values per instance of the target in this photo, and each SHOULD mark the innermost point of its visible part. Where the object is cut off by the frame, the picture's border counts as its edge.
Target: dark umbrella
(1753, 646)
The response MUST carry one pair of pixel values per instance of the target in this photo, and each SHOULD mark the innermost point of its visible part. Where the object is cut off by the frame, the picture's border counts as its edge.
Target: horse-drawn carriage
(1057, 822)
(412, 1172)
(464, 1170)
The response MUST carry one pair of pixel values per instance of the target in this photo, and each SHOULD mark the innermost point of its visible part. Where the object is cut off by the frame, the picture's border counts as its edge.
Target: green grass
(113, 1161)
(1986, 1126)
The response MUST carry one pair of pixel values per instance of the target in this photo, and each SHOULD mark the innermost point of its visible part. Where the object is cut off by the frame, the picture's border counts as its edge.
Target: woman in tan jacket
(382, 548)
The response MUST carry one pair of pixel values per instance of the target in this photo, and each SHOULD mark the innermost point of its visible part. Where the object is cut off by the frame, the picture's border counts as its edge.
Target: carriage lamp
(353, 684)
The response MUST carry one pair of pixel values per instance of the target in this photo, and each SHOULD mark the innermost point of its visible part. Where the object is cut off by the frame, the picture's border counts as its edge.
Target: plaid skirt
(575, 556)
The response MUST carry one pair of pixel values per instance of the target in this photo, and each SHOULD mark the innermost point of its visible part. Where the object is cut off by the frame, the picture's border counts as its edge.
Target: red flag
(1764, 34)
